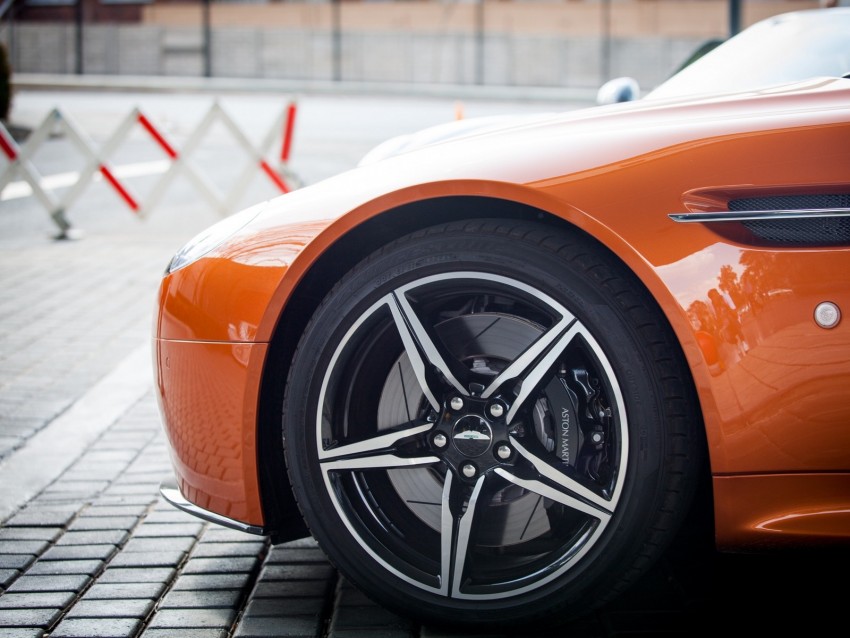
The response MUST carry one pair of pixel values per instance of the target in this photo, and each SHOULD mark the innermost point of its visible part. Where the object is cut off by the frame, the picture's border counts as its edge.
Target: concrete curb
(40, 81)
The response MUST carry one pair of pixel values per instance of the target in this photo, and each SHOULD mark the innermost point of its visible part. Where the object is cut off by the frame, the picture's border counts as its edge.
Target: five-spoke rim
(471, 435)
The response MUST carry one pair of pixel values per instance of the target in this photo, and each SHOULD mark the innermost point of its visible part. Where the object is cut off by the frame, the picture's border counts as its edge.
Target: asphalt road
(87, 546)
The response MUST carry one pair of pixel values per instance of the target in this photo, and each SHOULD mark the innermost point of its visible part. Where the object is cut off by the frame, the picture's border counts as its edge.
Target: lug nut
(496, 410)
(596, 437)
(456, 404)
(503, 452)
(440, 439)
(468, 470)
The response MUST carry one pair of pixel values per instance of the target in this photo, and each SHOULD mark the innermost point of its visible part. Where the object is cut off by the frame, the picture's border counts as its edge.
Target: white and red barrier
(20, 161)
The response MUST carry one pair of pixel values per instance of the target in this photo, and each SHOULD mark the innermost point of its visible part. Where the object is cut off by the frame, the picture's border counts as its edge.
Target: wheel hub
(472, 435)
(478, 439)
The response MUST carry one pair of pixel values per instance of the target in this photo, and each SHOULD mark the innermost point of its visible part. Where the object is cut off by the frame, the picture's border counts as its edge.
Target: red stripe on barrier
(8, 147)
(287, 133)
(146, 123)
(123, 192)
(273, 176)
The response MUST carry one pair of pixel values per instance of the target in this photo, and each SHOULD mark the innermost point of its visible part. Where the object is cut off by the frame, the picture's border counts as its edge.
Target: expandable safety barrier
(21, 164)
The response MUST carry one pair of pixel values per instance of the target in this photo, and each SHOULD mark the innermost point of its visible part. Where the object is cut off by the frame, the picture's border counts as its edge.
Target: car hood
(445, 132)
(466, 128)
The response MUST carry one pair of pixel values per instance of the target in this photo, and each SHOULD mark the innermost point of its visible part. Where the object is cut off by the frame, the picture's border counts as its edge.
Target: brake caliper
(572, 421)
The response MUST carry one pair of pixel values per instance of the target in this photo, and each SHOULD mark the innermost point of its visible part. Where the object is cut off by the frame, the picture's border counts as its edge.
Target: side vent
(789, 220)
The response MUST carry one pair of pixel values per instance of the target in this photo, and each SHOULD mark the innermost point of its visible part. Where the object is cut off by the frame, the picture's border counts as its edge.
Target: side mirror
(618, 90)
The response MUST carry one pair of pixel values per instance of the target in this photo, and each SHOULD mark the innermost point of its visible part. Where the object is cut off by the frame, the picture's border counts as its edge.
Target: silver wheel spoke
(530, 367)
(546, 491)
(377, 461)
(455, 535)
(572, 493)
(420, 348)
(375, 452)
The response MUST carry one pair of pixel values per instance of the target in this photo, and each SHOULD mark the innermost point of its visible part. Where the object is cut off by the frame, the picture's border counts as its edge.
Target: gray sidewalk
(89, 549)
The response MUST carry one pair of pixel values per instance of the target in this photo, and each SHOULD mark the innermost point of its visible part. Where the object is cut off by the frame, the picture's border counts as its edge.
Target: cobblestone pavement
(89, 549)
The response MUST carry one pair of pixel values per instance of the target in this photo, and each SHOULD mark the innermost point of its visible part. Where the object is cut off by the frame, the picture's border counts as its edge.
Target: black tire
(489, 424)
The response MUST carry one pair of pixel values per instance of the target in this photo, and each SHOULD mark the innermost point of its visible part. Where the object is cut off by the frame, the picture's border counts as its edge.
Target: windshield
(786, 48)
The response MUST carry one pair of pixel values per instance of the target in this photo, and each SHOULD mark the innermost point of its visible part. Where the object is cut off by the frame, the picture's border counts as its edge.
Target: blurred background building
(555, 43)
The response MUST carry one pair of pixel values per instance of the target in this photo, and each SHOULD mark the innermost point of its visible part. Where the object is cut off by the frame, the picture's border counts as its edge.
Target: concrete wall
(562, 44)
(246, 52)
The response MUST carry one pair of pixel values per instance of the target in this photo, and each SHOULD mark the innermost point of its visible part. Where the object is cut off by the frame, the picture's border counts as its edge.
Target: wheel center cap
(472, 435)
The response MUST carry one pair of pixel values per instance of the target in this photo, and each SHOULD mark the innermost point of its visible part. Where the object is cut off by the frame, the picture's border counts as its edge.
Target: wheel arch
(341, 256)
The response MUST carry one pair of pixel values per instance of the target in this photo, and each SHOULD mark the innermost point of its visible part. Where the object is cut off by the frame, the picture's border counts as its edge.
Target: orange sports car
(488, 373)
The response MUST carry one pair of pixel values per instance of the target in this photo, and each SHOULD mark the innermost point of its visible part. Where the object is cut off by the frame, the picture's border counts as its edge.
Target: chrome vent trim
(771, 219)
(758, 215)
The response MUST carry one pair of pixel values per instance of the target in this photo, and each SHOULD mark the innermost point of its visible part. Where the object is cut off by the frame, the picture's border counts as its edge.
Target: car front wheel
(488, 424)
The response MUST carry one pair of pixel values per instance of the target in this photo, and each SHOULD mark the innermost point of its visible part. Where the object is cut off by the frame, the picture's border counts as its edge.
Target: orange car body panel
(211, 413)
(772, 384)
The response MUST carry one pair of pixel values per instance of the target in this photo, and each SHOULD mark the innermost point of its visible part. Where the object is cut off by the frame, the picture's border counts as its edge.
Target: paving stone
(96, 628)
(296, 572)
(219, 534)
(101, 537)
(42, 618)
(31, 632)
(182, 543)
(227, 598)
(306, 542)
(91, 523)
(104, 472)
(138, 488)
(171, 558)
(31, 601)
(27, 583)
(173, 515)
(292, 555)
(126, 500)
(403, 633)
(212, 581)
(218, 550)
(41, 518)
(219, 565)
(66, 485)
(124, 608)
(367, 617)
(258, 627)
(55, 567)
(348, 595)
(177, 618)
(120, 591)
(8, 576)
(193, 632)
(282, 607)
(33, 547)
(64, 497)
(78, 552)
(136, 575)
(282, 589)
(112, 456)
(115, 510)
(28, 534)
(148, 530)
(15, 561)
